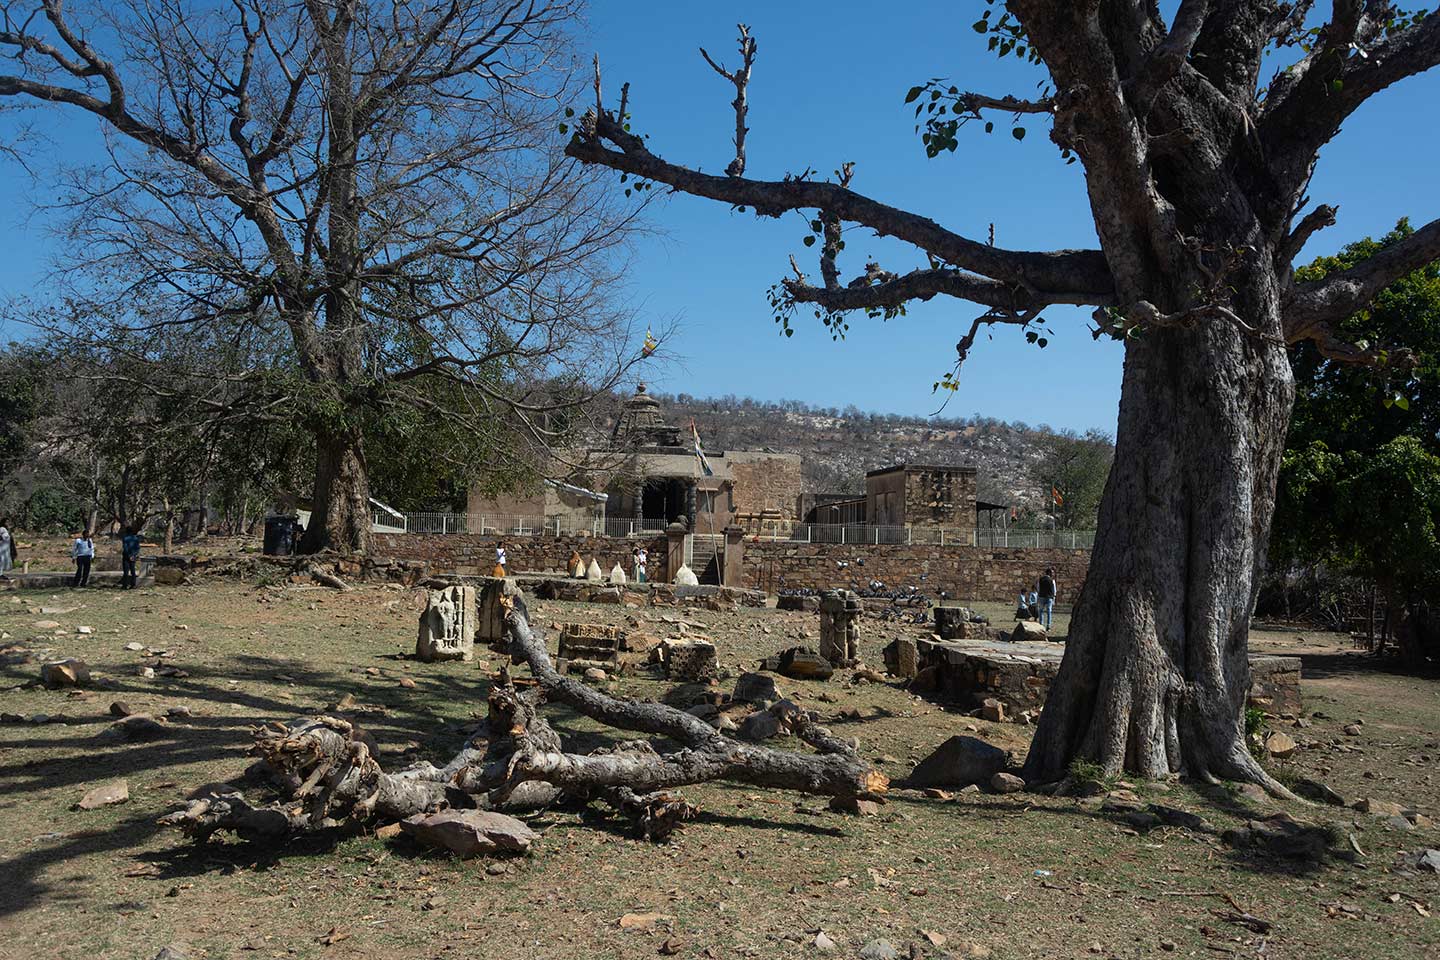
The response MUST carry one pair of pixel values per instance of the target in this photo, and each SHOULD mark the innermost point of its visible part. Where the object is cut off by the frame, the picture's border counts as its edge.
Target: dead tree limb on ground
(327, 777)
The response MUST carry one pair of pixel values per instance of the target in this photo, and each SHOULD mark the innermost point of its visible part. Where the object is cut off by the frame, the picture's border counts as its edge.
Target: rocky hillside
(840, 445)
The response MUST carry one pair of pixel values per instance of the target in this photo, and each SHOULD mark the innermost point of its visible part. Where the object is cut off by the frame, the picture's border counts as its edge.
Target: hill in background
(839, 446)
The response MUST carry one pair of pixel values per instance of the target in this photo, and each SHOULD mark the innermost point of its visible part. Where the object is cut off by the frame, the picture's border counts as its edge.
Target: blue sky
(828, 87)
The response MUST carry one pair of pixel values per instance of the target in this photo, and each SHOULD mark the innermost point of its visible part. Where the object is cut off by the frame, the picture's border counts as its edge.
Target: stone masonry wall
(472, 554)
(940, 497)
(964, 572)
(765, 481)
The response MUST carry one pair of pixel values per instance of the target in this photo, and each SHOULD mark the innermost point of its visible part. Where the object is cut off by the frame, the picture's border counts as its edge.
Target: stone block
(490, 621)
(690, 660)
(902, 658)
(840, 626)
(447, 627)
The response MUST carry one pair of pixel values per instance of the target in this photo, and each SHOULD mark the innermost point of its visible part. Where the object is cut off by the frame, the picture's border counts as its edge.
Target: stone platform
(968, 672)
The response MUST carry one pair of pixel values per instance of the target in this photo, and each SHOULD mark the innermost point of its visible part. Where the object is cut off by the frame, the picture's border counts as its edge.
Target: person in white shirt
(641, 557)
(83, 550)
(7, 546)
(501, 560)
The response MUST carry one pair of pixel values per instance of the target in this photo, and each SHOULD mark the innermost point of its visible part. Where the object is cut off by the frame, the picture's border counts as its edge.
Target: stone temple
(647, 473)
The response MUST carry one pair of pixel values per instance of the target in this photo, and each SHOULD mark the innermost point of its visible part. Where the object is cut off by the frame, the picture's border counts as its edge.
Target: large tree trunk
(1156, 673)
(340, 515)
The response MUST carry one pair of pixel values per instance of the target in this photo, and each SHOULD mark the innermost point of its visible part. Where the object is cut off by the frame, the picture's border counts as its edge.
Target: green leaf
(1337, 85)
(980, 26)
(809, 241)
(914, 94)
(1018, 133)
(989, 126)
(1401, 401)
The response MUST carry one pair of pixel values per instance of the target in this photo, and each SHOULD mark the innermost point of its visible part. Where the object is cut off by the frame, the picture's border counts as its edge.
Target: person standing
(1048, 589)
(7, 547)
(83, 550)
(502, 560)
(641, 557)
(129, 557)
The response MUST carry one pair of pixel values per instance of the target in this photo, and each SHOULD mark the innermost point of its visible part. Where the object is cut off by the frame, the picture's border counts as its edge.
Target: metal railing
(509, 526)
(1015, 537)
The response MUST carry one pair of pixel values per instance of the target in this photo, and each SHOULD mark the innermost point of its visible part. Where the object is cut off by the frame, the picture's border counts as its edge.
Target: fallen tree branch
(327, 777)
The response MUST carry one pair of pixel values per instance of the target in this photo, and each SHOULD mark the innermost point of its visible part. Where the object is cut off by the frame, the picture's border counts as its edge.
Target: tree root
(327, 777)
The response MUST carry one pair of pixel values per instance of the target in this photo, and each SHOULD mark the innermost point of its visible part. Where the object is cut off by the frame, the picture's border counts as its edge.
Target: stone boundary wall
(964, 572)
(474, 554)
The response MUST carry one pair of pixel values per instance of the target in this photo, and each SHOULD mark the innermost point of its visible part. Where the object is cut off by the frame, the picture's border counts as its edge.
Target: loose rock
(467, 833)
(1280, 745)
(105, 795)
(69, 672)
(1006, 783)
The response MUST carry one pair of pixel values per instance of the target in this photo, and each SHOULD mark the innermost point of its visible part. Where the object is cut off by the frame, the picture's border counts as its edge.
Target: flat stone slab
(1019, 674)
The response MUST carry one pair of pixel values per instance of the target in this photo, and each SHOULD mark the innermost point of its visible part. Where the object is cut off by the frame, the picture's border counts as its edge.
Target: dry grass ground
(756, 875)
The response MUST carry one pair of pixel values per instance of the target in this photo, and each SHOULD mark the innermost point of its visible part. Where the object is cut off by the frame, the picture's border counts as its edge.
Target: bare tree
(1197, 173)
(378, 185)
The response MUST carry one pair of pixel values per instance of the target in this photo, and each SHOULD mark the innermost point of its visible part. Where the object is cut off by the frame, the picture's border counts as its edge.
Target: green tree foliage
(1346, 415)
(1076, 465)
(1359, 488)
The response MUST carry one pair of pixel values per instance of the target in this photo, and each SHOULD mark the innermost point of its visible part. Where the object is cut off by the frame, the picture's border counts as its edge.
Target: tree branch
(1313, 304)
(1307, 104)
(741, 79)
(1081, 275)
(1165, 61)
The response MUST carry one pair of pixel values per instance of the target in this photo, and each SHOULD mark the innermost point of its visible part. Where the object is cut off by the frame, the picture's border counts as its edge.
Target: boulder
(576, 566)
(1006, 783)
(685, 577)
(993, 710)
(798, 663)
(760, 726)
(467, 833)
(958, 762)
(1028, 631)
(617, 575)
(1280, 745)
(755, 688)
(69, 672)
(595, 675)
(105, 795)
(592, 572)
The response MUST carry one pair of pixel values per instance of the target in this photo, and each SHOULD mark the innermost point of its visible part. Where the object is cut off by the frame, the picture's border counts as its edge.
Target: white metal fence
(446, 523)
(839, 533)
